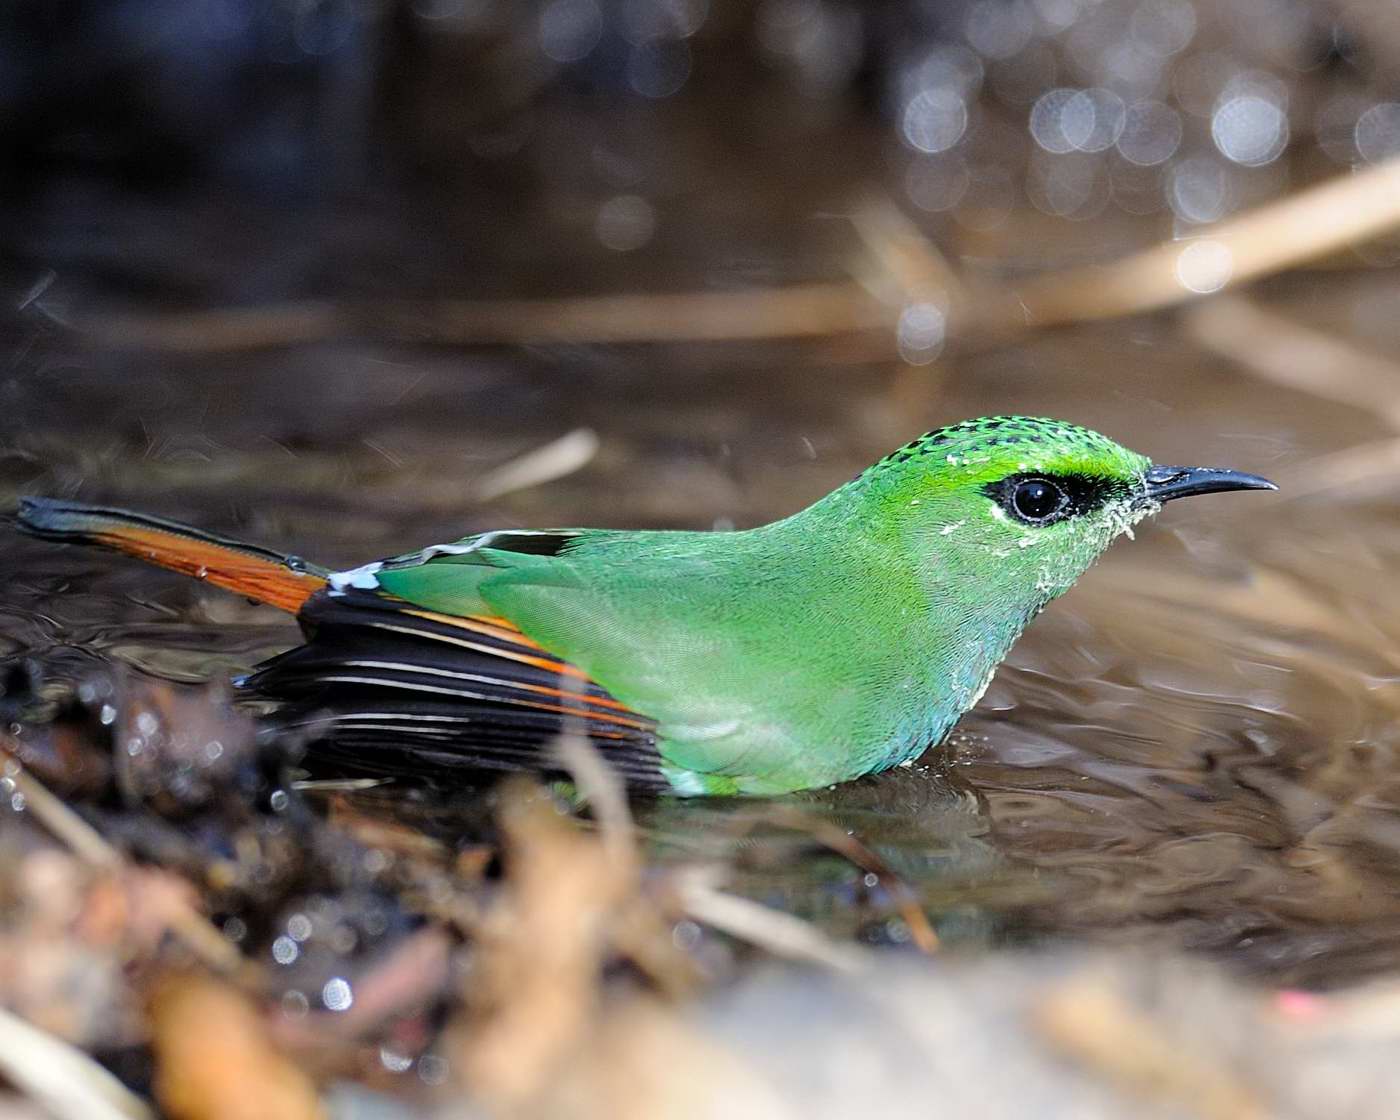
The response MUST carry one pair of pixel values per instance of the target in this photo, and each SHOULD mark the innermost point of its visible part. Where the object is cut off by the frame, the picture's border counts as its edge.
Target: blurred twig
(902, 265)
(1325, 366)
(65, 1082)
(1362, 471)
(1270, 238)
(802, 311)
(217, 331)
(1087, 1020)
(851, 848)
(215, 1059)
(193, 930)
(556, 459)
(1287, 353)
(781, 934)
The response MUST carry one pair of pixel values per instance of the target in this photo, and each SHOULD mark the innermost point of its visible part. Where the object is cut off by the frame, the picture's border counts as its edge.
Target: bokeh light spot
(934, 120)
(1249, 130)
(921, 331)
(625, 222)
(1151, 133)
(570, 29)
(1205, 266)
(1378, 132)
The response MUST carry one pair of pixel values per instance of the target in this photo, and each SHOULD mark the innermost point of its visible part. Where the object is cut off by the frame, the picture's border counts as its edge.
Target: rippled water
(1198, 745)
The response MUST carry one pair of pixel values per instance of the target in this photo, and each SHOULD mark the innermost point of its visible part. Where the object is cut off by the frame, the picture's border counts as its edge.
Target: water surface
(1196, 746)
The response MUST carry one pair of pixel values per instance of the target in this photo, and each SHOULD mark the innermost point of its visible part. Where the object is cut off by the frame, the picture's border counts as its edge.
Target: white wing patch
(366, 576)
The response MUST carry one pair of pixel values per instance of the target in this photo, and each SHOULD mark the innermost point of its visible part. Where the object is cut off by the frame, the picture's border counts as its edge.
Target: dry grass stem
(216, 331)
(781, 934)
(534, 990)
(556, 459)
(63, 823)
(850, 847)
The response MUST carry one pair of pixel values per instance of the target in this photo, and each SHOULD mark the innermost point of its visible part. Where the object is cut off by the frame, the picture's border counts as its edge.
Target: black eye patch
(1044, 499)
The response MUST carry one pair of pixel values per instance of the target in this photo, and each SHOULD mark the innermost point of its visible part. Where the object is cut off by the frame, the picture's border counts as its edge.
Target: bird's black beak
(1166, 483)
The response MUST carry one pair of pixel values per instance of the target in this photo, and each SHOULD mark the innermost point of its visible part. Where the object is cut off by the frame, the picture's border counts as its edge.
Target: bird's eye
(1037, 500)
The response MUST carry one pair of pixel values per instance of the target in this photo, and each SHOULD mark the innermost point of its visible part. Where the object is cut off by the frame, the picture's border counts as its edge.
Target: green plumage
(839, 641)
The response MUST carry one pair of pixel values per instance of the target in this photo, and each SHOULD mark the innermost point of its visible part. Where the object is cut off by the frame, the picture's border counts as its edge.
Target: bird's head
(1024, 502)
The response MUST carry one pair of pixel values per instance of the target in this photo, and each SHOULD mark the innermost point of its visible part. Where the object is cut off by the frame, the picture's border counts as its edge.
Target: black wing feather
(383, 687)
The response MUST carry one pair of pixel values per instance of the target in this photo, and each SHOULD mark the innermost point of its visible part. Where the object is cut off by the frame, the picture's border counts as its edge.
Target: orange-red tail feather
(259, 573)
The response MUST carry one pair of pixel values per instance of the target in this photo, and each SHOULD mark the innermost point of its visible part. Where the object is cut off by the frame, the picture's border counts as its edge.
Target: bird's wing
(383, 685)
(703, 633)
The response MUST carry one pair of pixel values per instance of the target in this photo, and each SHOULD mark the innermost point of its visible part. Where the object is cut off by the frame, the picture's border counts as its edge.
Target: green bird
(840, 641)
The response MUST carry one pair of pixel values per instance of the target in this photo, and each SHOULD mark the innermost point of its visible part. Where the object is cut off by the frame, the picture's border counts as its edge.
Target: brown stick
(1268, 239)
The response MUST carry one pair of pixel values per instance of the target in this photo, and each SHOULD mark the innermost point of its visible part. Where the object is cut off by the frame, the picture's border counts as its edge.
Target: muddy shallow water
(1197, 746)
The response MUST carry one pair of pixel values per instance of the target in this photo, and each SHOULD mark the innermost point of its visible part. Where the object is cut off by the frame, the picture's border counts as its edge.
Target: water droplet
(1049, 125)
(685, 935)
(1163, 28)
(658, 69)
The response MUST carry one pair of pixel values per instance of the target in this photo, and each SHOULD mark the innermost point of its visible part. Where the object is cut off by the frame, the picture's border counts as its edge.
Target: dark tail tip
(54, 519)
(41, 516)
